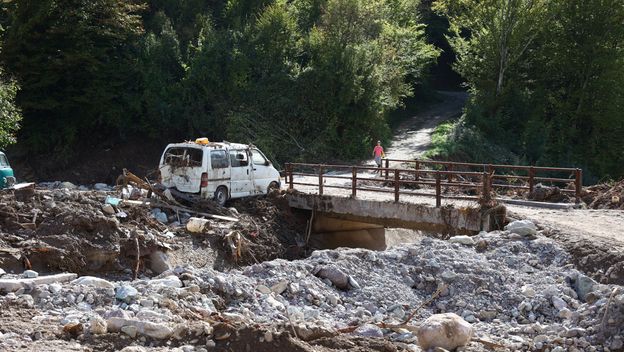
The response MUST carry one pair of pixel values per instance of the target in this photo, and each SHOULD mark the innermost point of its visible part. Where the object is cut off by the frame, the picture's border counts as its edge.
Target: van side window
(219, 159)
(257, 157)
(183, 157)
(239, 158)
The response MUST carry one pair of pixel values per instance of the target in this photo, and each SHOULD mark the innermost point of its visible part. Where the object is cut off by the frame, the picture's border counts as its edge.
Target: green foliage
(303, 79)
(546, 77)
(75, 62)
(10, 115)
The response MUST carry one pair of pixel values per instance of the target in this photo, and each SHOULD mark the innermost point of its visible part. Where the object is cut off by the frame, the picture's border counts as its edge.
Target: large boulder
(447, 331)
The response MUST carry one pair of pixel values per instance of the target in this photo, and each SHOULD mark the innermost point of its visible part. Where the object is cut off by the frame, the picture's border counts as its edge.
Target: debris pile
(512, 289)
(605, 196)
(63, 228)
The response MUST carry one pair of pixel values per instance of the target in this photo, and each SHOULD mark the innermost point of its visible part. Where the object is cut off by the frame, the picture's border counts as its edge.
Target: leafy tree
(75, 63)
(10, 115)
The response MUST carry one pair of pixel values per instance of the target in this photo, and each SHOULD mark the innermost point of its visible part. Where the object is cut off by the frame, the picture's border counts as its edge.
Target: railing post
(578, 178)
(289, 175)
(486, 187)
(450, 175)
(491, 172)
(438, 190)
(396, 185)
(353, 182)
(531, 181)
(320, 180)
(387, 166)
(417, 170)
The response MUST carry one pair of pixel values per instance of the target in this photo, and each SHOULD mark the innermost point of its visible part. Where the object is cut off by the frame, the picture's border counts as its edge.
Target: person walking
(378, 153)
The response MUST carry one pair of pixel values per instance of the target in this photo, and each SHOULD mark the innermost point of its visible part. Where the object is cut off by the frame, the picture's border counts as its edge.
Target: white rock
(169, 281)
(528, 291)
(280, 287)
(130, 330)
(67, 185)
(337, 277)
(30, 274)
(153, 330)
(465, 240)
(93, 282)
(2, 272)
(522, 227)
(447, 331)
(263, 289)
(11, 285)
(97, 325)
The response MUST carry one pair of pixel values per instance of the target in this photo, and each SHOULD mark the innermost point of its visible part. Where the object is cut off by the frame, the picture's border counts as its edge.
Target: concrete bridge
(355, 203)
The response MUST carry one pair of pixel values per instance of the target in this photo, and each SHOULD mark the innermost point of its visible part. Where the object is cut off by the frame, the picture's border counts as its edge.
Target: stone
(617, 343)
(133, 349)
(583, 285)
(528, 291)
(268, 336)
(559, 303)
(465, 240)
(130, 330)
(30, 274)
(108, 209)
(149, 329)
(12, 285)
(169, 281)
(447, 330)
(126, 293)
(2, 272)
(522, 227)
(67, 185)
(336, 276)
(368, 330)
(263, 289)
(159, 262)
(97, 325)
(93, 282)
(100, 187)
(197, 225)
(279, 287)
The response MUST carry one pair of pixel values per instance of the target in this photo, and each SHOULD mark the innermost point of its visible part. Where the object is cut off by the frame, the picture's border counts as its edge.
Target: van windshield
(3, 161)
(183, 157)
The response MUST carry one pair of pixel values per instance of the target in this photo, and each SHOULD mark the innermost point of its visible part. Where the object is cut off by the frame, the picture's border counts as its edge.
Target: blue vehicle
(7, 179)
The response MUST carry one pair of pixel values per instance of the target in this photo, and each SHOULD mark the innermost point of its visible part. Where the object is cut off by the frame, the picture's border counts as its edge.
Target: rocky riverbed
(516, 288)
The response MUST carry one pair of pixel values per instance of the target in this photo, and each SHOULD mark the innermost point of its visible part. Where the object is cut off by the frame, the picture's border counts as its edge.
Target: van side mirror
(267, 163)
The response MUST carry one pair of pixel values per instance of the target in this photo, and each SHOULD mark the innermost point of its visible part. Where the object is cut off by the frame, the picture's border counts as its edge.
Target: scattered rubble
(518, 292)
(605, 195)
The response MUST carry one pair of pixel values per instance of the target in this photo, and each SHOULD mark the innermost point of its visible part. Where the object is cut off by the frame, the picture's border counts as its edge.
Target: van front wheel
(221, 196)
(272, 186)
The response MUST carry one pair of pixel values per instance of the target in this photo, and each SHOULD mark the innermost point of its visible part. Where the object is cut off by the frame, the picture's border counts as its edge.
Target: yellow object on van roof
(202, 141)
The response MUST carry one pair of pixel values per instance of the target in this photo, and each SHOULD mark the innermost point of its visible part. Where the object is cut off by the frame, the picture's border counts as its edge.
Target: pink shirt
(378, 150)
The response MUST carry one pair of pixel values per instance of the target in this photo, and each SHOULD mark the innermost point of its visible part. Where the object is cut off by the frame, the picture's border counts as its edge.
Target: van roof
(213, 145)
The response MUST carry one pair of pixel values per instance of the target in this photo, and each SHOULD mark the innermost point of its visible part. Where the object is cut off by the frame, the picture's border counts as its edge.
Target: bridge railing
(520, 177)
(392, 178)
(401, 181)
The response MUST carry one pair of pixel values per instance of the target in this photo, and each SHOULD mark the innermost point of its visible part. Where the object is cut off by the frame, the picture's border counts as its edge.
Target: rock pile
(514, 288)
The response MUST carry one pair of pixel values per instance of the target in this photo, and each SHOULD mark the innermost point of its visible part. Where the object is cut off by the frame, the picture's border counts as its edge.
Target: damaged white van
(220, 171)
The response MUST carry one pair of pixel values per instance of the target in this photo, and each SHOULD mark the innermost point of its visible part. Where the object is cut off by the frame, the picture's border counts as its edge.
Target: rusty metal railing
(319, 172)
(532, 174)
(481, 182)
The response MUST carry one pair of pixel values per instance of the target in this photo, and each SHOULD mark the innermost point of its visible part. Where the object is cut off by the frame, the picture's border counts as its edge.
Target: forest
(314, 80)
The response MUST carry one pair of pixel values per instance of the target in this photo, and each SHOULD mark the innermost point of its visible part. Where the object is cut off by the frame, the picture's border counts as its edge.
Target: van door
(219, 174)
(262, 176)
(240, 173)
(183, 167)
